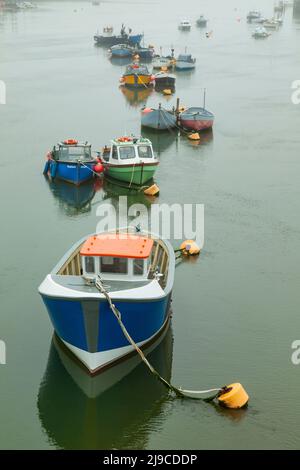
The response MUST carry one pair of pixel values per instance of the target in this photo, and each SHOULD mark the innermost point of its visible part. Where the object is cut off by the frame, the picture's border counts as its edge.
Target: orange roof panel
(118, 245)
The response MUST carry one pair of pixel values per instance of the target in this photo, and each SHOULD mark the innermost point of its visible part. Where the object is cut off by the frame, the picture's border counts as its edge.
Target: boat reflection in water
(73, 200)
(113, 190)
(136, 96)
(120, 61)
(161, 140)
(111, 410)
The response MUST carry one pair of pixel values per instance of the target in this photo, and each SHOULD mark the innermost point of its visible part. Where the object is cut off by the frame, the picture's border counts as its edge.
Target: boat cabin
(71, 151)
(129, 150)
(119, 257)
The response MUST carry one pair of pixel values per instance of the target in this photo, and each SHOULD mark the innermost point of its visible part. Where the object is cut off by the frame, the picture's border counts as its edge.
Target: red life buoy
(71, 142)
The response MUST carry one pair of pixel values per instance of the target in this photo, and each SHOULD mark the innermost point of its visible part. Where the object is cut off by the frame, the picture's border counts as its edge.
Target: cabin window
(145, 151)
(138, 267)
(90, 265)
(112, 265)
(126, 153)
(114, 153)
(71, 153)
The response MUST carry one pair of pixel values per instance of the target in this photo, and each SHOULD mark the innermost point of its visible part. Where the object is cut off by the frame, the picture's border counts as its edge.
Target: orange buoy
(234, 396)
(152, 190)
(194, 136)
(190, 248)
(70, 142)
(167, 92)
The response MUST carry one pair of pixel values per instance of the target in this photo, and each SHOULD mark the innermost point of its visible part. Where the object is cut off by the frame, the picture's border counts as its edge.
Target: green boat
(131, 160)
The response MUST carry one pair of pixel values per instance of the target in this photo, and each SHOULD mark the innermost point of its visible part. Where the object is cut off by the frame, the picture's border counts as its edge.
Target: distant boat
(130, 160)
(185, 25)
(159, 119)
(260, 33)
(164, 80)
(109, 39)
(144, 53)
(160, 61)
(121, 50)
(271, 24)
(201, 21)
(71, 161)
(185, 62)
(137, 75)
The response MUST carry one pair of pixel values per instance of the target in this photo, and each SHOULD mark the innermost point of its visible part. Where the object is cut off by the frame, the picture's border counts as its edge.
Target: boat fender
(53, 169)
(147, 110)
(194, 136)
(98, 168)
(233, 396)
(152, 190)
(71, 142)
(189, 248)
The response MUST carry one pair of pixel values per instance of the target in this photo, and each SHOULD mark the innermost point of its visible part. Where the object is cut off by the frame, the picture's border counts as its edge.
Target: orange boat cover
(119, 245)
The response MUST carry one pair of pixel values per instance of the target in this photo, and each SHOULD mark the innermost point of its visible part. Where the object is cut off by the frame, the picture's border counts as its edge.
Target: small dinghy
(253, 15)
(201, 21)
(260, 33)
(184, 25)
(71, 161)
(196, 119)
(137, 76)
(137, 269)
(130, 160)
(121, 50)
(185, 62)
(159, 119)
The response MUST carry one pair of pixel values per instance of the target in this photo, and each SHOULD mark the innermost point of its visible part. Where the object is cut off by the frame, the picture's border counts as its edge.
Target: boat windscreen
(126, 153)
(71, 153)
(145, 151)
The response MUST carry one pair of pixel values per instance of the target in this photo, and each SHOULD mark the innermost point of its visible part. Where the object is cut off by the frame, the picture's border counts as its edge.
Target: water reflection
(74, 200)
(111, 410)
(113, 190)
(136, 97)
(161, 140)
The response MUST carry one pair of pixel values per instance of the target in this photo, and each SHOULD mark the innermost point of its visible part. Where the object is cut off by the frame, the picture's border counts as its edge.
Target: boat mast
(204, 98)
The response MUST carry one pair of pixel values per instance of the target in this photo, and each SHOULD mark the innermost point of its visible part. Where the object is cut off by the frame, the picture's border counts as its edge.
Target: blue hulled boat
(71, 161)
(138, 271)
(159, 119)
(121, 50)
(109, 39)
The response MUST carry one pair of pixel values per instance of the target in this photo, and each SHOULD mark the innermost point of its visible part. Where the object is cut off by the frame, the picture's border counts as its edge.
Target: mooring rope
(81, 163)
(193, 394)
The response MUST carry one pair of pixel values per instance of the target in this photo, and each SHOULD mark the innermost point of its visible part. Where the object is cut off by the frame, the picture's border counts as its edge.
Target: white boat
(185, 25)
(137, 270)
(271, 24)
(260, 32)
(159, 61)
(253, 15)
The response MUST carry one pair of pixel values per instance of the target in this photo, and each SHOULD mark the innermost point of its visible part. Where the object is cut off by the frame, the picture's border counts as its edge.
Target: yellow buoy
(234, 396)
(164, 69)
(152, 190)
(167, 92)
(190, 248)
(194, 136)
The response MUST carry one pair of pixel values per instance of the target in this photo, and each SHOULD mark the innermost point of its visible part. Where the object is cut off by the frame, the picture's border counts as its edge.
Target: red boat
(196, 119)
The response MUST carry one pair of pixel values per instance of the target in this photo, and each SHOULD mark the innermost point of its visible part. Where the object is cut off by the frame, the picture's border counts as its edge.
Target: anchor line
(179, 392)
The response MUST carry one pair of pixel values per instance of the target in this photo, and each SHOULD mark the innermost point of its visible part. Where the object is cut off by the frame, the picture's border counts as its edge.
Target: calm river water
(235, 310)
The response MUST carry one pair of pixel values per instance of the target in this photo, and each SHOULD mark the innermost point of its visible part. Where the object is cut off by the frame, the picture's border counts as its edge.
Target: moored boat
(253, 15)
(130, 160)
(271, 24)
(138, 270)
(109, 39)
(185, 62)
(159, 119)
(164, 80)
(144, 53)
(260, 33)
(196, 119)
(185, 25)
(137, 76)
(201, 21)
(121, 50)
(161, 61)
(71, 161)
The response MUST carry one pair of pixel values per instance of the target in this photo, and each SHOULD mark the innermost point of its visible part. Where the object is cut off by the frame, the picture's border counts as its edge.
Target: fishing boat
(253, 15)
(144, 53)
(159, 119)
(185, 62)
(130, 160)
(184, 25)
(160, 61)
(201, 21)
(121, 50)
(71, 161)
(137, 76)
(109, 39)
(260, 33)
(137, 268)
(164, 80)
